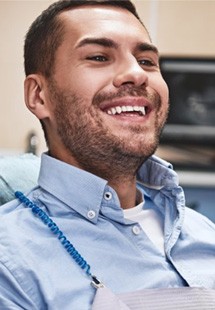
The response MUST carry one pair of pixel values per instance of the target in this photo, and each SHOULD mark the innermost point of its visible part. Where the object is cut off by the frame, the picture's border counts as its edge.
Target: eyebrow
(144, 47)
(106, 42)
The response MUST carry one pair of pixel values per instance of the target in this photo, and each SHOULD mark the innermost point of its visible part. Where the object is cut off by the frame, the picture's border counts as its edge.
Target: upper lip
(125, 101)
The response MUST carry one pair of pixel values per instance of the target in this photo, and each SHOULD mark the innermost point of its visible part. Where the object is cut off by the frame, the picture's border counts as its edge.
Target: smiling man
(104, 204)
(105, 102)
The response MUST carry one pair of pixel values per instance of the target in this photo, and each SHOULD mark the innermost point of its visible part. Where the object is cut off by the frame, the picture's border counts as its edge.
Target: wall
(177, 27)
(183, 27)
(190, 30)
(16, 121)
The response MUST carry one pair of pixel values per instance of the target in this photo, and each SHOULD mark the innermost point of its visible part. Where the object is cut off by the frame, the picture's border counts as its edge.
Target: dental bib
(156, 299)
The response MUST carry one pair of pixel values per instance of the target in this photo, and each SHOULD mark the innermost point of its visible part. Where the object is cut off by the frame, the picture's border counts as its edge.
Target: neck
(127, 192)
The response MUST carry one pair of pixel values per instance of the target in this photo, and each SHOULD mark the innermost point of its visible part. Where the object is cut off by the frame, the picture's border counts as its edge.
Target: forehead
(103, 21)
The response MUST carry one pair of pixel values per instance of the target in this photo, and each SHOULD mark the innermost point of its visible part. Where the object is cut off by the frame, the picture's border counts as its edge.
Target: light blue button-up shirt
(36, 272)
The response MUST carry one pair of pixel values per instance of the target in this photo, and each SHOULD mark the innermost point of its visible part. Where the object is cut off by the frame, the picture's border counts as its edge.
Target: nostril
(128, 82)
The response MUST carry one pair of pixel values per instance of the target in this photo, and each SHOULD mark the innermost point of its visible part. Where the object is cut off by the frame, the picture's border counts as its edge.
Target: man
(93, 81)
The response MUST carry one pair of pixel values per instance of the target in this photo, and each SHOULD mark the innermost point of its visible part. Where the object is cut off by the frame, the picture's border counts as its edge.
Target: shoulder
(16, 225)
(18, 229)
(198, 218)
(199, 226)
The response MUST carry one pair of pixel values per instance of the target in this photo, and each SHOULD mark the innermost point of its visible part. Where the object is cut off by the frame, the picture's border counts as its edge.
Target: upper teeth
(119, 110)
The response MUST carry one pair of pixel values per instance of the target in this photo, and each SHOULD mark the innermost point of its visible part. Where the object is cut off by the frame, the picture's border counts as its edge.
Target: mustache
(131, 91)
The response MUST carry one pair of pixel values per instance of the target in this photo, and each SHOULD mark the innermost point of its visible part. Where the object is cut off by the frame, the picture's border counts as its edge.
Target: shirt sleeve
(12, 296)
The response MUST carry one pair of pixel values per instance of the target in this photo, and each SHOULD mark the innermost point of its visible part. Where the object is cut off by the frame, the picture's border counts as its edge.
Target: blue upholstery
(17, 173)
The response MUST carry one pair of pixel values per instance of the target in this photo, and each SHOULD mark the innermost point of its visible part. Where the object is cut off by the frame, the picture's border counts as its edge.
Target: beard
(93, 145)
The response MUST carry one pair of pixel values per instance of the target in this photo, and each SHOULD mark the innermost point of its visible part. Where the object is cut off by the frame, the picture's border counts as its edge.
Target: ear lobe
(35, 99)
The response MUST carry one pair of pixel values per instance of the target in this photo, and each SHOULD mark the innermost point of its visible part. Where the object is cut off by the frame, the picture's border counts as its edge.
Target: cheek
(165, 92)
(89, 84)
(160, 86)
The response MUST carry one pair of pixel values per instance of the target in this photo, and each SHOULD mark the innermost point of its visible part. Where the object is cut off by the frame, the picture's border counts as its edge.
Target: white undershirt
(149, 221)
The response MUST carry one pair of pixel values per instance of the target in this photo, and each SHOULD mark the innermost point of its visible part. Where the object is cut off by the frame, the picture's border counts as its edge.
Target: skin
(91, 76)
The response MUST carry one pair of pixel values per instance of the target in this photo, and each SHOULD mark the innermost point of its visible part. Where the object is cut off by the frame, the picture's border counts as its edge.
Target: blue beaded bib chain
(43, 216)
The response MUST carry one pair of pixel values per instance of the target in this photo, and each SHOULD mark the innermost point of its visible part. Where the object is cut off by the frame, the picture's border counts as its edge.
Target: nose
(130, 72)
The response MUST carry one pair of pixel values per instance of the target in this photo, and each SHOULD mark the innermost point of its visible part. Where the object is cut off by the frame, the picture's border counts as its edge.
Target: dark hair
(46, 33)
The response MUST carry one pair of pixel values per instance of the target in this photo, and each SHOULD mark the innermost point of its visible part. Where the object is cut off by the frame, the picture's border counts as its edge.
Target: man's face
(108, 98)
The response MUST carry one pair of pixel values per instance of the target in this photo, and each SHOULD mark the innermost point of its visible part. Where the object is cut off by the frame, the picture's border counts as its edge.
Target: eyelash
(147, 63)
(98, 58)
(142, 62)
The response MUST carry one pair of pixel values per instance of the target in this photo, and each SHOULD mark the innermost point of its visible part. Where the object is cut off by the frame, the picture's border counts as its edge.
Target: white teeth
(130, 109)
(143, 110)
(119, 110)
(136, 108)
(113, 111)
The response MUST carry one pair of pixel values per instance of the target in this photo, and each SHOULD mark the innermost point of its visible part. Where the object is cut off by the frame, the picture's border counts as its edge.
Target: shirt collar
(79, 189)
(157, 173)
(85, 192)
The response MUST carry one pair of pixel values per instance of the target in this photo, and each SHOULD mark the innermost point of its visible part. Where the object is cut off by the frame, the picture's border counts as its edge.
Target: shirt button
(91, 214)
(108, 196)
(136, 230)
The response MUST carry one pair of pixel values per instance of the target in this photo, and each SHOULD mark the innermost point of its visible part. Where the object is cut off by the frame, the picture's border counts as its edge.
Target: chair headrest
(17, 173)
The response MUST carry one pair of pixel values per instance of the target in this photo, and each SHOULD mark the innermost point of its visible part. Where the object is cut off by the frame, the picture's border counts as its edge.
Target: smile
(124, 109)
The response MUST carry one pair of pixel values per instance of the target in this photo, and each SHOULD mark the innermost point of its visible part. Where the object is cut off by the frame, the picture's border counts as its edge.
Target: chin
(141, 147)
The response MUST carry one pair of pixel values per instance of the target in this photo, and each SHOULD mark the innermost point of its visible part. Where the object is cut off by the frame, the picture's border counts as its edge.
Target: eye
(147, 63)
(98, 58)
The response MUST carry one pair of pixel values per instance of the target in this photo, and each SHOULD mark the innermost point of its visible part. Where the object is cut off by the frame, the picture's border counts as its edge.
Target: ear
(35, 98)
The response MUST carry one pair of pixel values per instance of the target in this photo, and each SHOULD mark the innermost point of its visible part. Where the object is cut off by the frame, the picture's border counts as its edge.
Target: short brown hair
(46, 33)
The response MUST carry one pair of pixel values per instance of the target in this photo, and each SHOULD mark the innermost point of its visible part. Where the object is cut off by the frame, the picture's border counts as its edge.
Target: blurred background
(184, 34)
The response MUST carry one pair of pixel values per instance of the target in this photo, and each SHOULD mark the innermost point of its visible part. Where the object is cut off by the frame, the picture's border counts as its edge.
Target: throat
(139, 197)
(127, 192)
